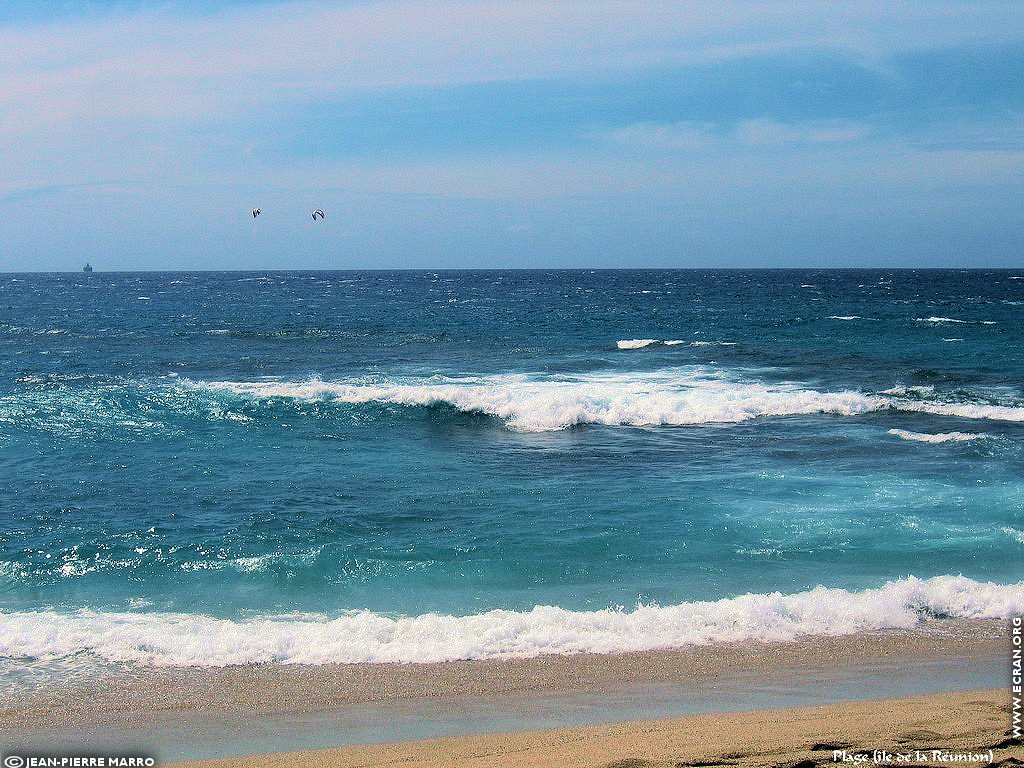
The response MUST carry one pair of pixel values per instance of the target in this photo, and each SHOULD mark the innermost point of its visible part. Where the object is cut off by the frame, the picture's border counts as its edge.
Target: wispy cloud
(669, 136)
(690, 136)
(161, 66)
(763, 131)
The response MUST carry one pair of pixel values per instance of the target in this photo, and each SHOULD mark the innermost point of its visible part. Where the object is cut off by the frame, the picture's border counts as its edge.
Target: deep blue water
(243, 445)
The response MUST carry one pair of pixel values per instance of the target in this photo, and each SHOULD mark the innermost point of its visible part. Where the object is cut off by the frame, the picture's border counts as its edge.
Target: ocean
(214, 468)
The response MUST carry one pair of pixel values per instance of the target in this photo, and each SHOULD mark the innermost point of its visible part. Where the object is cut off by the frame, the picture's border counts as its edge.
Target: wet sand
(175, 713)
(125, 695)
(931, 730)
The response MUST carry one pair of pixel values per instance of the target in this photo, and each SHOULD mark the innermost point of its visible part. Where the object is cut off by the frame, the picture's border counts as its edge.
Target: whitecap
(673, 396)
(941, 437)
(940, 320)
(921, 391)
(635, 343)
(668, 397)
(677, 342)
(178, 639)
(527, 402)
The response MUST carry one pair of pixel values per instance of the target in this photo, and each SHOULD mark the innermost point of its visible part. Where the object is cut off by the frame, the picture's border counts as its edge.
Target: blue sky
(439, 134)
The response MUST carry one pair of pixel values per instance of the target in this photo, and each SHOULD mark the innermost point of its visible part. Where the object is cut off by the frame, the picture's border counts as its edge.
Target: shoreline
(193, 713)
(930, 730)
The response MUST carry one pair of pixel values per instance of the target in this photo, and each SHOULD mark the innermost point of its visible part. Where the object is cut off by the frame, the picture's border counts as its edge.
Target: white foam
(667, 397)
(942, 437)
(635, 343)
(936, 320)
(844, 317)
(535, 402)
(176, 639)
(921, 391)
(677, 342)
(672, 396)
(962, 410)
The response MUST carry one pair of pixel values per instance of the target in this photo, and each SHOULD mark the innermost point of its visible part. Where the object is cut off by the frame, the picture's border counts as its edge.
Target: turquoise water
(228, 467)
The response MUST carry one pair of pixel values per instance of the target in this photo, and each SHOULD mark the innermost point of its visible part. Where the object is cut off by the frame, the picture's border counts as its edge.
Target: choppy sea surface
(311, 467)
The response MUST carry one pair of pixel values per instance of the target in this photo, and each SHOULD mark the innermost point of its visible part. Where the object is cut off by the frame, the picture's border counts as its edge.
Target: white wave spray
(684, 395)
(941, 437)
(676, 396)
(635, 343)
(174, 639)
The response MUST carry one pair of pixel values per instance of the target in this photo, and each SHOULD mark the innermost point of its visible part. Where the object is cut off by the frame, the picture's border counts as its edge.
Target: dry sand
(958, 723)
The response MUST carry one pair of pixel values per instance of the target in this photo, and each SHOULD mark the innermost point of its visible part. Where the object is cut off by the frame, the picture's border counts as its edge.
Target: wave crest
(670, 397)
(533, 405)
(679, 396)
(635, 343)
(170, 639)
(941, 437)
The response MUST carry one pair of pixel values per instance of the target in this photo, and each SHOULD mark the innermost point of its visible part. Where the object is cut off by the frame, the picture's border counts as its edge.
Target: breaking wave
(635, 343)
(942, 437)
(525, 402)
(641, 343)
(174, 639)
(533, 405)
(667, 397)
(939, 320)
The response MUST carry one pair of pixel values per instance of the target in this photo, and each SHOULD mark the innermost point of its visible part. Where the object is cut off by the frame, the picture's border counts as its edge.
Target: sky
(520, 134)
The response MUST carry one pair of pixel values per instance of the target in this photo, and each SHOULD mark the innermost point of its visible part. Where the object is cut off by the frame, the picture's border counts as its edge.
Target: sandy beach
(931, 730)
(136, 696)
(561, 710)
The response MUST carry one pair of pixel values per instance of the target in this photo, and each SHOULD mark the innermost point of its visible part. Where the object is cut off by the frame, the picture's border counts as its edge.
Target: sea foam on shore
(174, 639)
